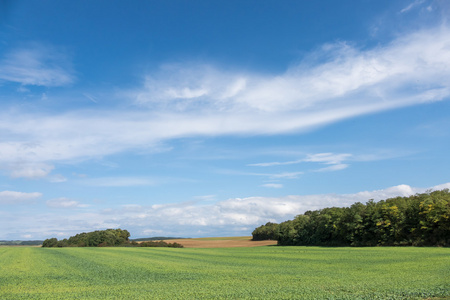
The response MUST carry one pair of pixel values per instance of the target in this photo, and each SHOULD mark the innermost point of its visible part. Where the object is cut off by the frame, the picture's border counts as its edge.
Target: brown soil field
(222, 242)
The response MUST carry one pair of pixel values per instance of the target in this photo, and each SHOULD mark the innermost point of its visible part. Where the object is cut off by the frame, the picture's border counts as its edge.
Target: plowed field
(222, 242)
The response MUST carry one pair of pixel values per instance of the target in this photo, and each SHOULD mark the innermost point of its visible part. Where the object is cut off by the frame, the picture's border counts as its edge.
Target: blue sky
(210, 118)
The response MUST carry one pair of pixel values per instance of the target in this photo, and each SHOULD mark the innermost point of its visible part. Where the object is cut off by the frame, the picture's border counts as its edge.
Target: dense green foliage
(419, 220)
(266, 232)
(99, 238)
(105, 238)
(224, 273)
(154, 244)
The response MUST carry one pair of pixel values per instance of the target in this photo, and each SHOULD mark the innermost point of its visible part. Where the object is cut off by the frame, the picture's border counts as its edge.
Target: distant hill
(156, 238)
(20, 243)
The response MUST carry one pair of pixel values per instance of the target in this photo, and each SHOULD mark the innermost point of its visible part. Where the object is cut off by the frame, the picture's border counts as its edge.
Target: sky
(211, 118)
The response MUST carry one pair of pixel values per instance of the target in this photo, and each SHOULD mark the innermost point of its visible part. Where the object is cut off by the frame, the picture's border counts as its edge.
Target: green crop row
(220, 273)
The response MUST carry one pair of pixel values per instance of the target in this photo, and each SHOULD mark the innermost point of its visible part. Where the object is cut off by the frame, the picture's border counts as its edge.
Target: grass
(224, 273)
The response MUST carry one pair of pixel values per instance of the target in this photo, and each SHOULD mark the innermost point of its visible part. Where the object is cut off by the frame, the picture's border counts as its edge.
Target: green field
(235, 273)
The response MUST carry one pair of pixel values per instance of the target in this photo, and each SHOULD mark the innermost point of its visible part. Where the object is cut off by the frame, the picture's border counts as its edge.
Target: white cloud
(36, 65)
(337, 83)
(12, 197)
(441, 187)
(384, 77)
(276, 163)
(64, 203)
(30, 170)
(193, 85)
(412, 5)
(287, 175)
(335, 160)
(332, 168)
(119, 181)
(328, 158)
(58, 178)
(273, 185)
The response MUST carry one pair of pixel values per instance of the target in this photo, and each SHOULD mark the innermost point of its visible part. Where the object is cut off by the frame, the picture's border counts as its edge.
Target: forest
(418, 220)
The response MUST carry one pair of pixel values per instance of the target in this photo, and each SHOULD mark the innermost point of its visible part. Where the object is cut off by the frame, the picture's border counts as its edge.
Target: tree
(266, 232)
(52, 242)
(108, 237)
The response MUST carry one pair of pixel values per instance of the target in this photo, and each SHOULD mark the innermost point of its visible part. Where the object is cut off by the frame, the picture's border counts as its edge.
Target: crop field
(268, 272)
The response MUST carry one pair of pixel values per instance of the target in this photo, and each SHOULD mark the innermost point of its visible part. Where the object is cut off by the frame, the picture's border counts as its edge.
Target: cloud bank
(235, 216)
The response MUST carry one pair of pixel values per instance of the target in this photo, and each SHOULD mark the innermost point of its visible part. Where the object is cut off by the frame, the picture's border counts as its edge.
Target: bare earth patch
(222, 242)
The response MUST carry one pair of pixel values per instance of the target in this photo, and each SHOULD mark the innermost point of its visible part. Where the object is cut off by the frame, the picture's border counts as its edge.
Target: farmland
(269, 272)
(223, 242)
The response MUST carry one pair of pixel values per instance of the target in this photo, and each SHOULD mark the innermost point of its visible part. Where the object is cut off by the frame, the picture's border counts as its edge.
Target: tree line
(418, 220)
(104, 238)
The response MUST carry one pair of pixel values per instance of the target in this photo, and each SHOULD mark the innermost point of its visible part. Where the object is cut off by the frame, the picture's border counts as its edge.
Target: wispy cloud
(118, 181)
(288, 175)
(332, 159)
(273, 185)
(64, 203)
(12, 197)
(277, 163)
(182, 87)
(33, 170)
(385, 77)
(336, 83)
(412, 5)
(285, 175)
(332, 168)
(328, 158)
(58, 178)
(36, 65)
